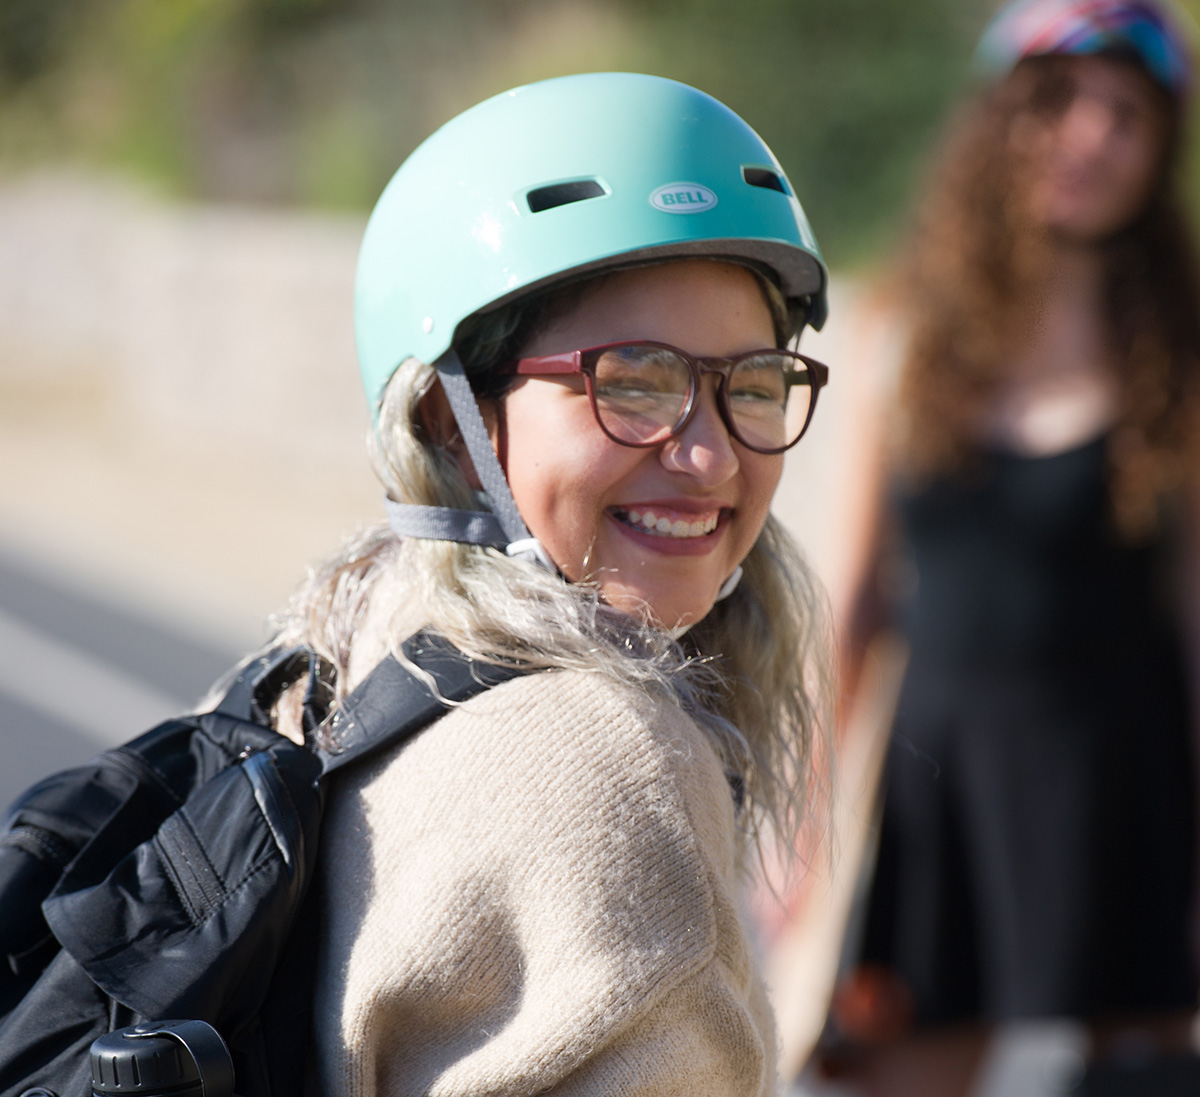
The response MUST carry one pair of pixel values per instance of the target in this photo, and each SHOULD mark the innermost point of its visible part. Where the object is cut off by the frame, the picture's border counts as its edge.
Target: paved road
(77, 675)
(1028, 1059)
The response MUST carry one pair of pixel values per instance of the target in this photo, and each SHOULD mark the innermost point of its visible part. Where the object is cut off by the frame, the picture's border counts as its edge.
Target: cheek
(761, 476)
(561, 469)
(1133, 179)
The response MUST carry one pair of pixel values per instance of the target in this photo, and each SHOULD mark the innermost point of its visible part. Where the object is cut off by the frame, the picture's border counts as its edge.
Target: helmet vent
(563, 194)
(763, 177)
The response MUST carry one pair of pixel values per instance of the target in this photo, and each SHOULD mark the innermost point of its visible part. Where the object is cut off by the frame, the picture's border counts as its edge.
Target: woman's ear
(437, 420)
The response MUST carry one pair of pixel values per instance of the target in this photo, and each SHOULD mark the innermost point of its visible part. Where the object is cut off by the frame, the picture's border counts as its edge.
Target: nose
(1088, 125)
(704, 449)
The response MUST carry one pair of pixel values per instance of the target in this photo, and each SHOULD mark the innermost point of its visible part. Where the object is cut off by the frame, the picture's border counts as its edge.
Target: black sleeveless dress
(1037, 844)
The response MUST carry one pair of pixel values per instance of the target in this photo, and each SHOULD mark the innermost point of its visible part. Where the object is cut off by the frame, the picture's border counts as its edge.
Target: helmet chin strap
(730, 584)
(479, 446)
(502, 527)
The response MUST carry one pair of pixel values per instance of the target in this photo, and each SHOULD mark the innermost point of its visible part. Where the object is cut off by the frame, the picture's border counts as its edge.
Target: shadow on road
(78, 675)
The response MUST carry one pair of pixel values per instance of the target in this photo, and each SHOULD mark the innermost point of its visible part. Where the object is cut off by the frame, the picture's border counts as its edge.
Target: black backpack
(169, 878)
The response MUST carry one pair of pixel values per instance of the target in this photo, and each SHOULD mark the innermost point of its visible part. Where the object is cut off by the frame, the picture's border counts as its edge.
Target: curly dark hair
(971, 268)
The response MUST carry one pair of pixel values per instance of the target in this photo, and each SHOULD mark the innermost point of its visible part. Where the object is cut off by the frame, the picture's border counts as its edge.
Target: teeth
(650, 522)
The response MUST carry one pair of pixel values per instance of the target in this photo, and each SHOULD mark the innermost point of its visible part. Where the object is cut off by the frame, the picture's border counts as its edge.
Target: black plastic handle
(144, 1060)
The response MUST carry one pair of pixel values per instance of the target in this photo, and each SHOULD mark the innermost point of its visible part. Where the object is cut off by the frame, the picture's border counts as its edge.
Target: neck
(1073, 274)
(1064, 332)
(1059, 388)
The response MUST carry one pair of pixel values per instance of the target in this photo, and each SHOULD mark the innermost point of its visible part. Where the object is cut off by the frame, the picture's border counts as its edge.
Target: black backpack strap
(261, 682)
(391, 704)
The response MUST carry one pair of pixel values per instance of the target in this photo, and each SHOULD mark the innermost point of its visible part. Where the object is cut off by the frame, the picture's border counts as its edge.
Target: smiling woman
(577, 499)
(583, 399)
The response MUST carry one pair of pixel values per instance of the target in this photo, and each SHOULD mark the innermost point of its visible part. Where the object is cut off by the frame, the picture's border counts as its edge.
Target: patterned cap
(1154, 31)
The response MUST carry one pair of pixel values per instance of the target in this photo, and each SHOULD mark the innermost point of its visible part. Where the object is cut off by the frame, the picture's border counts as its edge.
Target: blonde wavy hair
(752, 673)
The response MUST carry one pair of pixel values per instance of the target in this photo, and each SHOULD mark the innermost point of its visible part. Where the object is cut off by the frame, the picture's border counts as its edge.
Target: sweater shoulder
(556, 855)
(585, 735)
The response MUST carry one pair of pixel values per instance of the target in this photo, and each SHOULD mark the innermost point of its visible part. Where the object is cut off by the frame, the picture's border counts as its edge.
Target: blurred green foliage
(315, 102)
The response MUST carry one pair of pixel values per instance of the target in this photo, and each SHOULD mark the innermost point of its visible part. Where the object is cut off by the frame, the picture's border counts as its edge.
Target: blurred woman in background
(1036, 512)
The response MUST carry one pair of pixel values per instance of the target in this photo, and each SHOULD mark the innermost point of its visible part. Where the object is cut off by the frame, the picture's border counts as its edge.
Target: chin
(1078, 226)
(685, 617)
(1084, 235)
(667, 615)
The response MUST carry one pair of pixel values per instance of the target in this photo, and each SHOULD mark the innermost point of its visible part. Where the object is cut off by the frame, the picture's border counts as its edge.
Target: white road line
(77, 688)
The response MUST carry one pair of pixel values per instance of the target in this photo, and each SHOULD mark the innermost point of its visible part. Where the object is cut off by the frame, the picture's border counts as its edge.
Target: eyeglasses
(643, 393)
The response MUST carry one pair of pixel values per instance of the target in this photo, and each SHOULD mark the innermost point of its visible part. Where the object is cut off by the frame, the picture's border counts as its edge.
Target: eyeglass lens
(642, 392)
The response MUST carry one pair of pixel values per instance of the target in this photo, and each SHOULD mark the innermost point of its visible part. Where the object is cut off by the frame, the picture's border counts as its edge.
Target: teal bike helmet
(546, 183)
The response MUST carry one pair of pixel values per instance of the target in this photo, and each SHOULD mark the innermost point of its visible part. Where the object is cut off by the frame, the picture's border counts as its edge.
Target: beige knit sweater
(538, 895)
